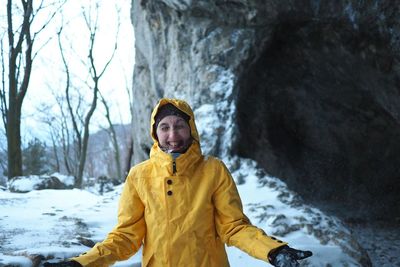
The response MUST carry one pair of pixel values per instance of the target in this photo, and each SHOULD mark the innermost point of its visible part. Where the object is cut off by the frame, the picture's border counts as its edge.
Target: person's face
(173, 134)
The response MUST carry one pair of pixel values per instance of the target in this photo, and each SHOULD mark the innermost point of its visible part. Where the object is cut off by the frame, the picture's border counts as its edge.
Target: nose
(173, 134)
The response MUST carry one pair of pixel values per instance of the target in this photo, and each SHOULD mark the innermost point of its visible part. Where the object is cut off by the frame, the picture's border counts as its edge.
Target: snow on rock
(65, 179)
(214, 119)
(281, 213)
(206, 122)
(23, 184)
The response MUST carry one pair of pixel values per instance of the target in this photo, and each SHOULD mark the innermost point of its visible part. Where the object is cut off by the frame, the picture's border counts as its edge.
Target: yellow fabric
(187, 227)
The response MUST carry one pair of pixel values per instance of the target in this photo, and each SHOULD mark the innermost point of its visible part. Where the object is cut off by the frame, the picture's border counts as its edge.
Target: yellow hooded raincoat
(182, 211)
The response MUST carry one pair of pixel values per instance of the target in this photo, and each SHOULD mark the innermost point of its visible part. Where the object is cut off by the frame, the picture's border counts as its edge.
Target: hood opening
(182, 106)
(320, 109)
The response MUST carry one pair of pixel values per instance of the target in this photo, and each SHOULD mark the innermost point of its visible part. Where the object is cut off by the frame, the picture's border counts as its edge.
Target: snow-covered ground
(55, 223)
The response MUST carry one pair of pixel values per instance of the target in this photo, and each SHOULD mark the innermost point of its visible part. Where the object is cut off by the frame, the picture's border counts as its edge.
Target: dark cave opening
(320, 109)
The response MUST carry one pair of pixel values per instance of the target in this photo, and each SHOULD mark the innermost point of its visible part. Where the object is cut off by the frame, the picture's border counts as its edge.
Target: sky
(48, 76)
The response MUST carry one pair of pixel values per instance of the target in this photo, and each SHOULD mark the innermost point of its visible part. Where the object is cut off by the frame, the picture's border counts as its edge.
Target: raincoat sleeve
(233, 227)
(126, 238)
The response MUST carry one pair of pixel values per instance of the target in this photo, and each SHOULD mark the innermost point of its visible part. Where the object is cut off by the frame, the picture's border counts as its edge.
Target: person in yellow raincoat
(182, 207)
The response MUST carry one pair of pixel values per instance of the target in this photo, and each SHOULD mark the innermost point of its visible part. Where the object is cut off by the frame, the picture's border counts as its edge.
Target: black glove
(287, 257)
(63, 264)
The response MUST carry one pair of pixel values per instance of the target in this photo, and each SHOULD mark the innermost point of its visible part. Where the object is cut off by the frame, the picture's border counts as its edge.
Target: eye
(164, 128)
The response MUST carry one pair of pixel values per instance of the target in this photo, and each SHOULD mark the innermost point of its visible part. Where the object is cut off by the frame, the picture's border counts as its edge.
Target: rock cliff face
(323, 99)
(311, 86)
(308, 89)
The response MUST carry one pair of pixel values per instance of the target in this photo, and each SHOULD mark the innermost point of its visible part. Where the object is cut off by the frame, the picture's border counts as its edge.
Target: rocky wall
(309, 89)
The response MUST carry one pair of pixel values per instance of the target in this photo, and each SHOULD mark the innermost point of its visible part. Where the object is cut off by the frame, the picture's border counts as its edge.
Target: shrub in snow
(100, 185)
(24, 184)
(35, 159)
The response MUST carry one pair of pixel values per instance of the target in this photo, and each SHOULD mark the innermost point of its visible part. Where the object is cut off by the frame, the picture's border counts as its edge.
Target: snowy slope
(275, 209)
(53, 223)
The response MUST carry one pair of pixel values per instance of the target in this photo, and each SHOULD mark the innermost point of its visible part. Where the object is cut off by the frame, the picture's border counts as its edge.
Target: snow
(51, 222)
(208, 117)
(27, 183)
(255, 196)
(33, 182)
(213, 120)
(65, 179)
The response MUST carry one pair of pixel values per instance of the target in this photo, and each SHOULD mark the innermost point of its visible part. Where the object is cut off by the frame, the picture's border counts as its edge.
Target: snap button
(169, 193)
(169, 181)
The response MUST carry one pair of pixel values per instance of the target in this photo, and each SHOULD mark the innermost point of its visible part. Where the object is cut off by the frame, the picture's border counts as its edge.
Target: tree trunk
(127, 166)
(14, 141)
(17, 92)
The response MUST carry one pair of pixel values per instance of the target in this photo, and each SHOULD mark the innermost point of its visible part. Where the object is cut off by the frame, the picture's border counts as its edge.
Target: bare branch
(10, 25)
(41, 47)
(3, 99)
(25, 26)
(51, 17)
(113, 136)
(28, 10)
(67, 89)
(115, 47)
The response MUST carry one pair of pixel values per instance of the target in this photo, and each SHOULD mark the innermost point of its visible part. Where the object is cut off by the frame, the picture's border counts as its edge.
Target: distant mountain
(101, 156)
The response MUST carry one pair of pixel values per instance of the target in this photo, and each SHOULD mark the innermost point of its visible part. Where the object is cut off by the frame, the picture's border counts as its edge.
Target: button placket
(169, 183)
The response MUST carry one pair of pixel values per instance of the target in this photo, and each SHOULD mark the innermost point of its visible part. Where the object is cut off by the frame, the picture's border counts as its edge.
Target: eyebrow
(180, 120)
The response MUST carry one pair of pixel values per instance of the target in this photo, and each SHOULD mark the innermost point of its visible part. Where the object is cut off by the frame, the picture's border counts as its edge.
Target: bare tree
(114, 139)
(81, 124)
(20, 60)
(129, 154)
(57, 124)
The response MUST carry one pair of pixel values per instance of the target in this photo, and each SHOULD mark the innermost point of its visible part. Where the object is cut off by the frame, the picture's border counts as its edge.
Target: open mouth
(175, 146)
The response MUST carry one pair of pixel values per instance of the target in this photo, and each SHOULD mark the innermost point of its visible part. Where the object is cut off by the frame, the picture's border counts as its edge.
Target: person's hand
(287, 257)
(63, 264)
